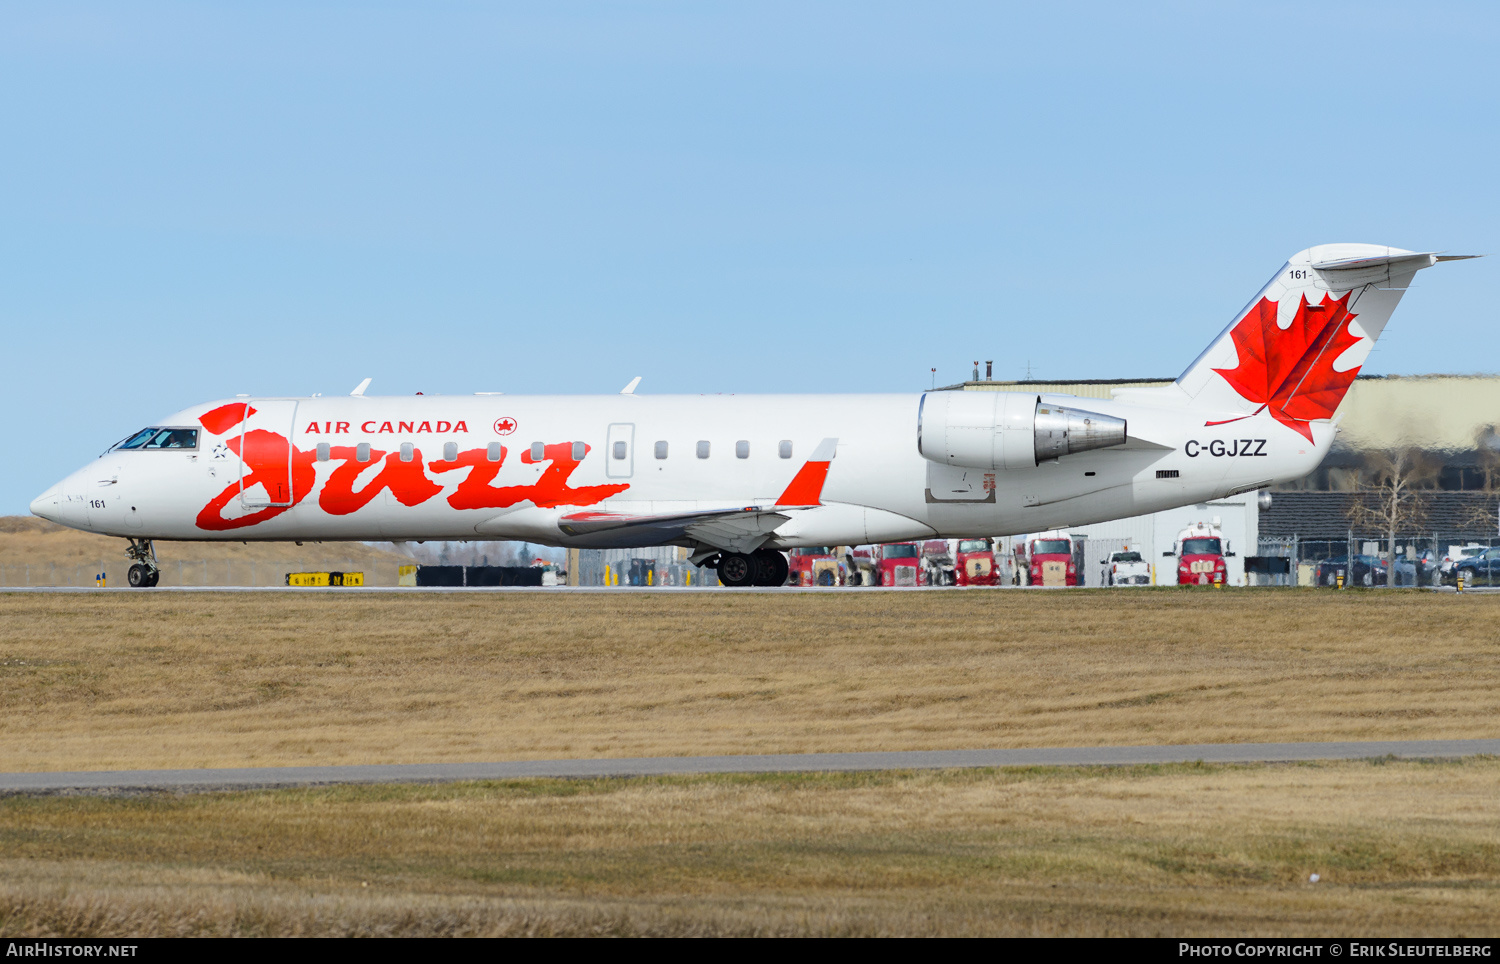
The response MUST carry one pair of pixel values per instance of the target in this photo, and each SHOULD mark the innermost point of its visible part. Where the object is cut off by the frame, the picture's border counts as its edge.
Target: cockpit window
(162, 438)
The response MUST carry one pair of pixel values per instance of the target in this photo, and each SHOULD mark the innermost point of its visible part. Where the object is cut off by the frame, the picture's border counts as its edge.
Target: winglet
(630, 389)
(360, 388)
(807, 487)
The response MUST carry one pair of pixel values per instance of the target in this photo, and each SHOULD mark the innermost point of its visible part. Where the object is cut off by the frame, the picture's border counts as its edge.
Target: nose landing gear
(144, 573)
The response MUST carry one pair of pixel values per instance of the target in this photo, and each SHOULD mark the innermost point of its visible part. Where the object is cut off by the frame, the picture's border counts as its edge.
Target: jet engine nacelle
(1008, 430)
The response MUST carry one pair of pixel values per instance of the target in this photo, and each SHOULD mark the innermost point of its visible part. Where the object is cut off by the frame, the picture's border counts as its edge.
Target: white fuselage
(731, 475)
(878, 488)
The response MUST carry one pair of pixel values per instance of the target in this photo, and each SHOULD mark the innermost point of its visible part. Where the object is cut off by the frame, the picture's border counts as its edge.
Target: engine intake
(1008, 430)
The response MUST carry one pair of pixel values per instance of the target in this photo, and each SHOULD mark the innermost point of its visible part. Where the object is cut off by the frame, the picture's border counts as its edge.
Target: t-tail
(1297, 346)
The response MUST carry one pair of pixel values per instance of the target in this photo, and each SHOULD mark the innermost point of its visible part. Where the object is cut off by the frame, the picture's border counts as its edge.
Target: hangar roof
(1325, 515)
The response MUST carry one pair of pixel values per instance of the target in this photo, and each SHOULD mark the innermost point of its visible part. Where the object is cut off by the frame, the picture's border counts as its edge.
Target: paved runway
(250, 777)
(352, 590)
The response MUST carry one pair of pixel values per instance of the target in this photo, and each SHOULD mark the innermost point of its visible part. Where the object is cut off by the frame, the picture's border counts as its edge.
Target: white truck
(1126, 568)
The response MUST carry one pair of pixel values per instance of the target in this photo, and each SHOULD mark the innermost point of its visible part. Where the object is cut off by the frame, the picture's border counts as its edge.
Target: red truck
(900, 564)
(813, 566)
(1047, 560)
(1200, 550)
(976, 563)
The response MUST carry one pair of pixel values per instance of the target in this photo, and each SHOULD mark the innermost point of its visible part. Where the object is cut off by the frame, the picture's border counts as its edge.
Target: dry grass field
(1402, 848)
(187, 680)
(35, 552)
(169, 680)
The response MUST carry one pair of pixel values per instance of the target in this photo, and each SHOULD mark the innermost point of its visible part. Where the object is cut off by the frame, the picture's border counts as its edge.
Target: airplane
(739, 478)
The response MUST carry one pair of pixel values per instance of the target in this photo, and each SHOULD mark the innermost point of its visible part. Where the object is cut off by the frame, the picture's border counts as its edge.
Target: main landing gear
(144, 573)
(763, 567)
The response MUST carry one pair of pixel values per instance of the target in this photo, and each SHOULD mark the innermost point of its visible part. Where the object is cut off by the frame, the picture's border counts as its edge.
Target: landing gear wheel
(771, 568)
(736, 569)
(144, 573)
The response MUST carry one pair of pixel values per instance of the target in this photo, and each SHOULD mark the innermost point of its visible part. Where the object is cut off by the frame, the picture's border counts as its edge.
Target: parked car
(1480, 569)
(1457, 554)
(1429, 567)
(1423, 569)
(1366, 571)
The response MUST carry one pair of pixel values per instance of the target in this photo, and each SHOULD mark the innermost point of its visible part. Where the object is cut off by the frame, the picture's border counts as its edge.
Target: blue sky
(205, 199)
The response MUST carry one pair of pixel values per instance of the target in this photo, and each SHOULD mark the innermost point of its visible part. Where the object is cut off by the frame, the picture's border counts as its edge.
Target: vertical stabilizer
(1295, 349)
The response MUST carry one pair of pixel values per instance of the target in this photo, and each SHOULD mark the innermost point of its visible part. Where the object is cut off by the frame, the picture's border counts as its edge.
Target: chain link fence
(184, 572)
(1364, 559)
(651, 566)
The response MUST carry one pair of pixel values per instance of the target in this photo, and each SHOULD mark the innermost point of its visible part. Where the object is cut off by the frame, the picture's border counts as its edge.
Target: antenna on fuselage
(630, 389)
(360, 388)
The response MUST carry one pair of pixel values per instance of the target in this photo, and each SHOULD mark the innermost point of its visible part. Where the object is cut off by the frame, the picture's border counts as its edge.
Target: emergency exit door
(265, 444)
(619, 451)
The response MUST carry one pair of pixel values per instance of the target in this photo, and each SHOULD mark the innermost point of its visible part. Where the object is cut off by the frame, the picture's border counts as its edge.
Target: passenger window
(784, 448)
(491, 452)
(661, 450)
(619, 450)
(702, 450)
(742, 449)
(323, 452)
(579, 451)
(406, 451)
(362, 452)
(538, 451)
(450, 451)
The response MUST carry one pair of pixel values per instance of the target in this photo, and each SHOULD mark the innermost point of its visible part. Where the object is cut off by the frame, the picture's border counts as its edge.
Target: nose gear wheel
(145, 573)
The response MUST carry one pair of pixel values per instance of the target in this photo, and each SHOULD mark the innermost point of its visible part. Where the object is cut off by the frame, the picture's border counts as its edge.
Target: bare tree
(1482, 517)
(1390, 498)
(1487, 456)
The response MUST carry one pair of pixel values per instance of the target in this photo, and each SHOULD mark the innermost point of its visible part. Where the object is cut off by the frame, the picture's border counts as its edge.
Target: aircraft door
(266, 454)
(619, 451)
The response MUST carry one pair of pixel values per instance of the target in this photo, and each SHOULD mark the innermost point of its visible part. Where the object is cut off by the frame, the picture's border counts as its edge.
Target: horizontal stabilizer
(1410, 259)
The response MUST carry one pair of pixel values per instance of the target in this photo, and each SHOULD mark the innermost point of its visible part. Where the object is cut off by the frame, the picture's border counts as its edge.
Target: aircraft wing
(741, 529)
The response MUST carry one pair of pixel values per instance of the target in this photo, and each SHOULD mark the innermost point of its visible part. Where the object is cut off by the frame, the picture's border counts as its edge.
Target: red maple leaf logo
(1290, 372)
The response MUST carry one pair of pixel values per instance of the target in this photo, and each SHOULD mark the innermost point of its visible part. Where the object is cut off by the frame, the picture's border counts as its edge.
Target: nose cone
(48, 505)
